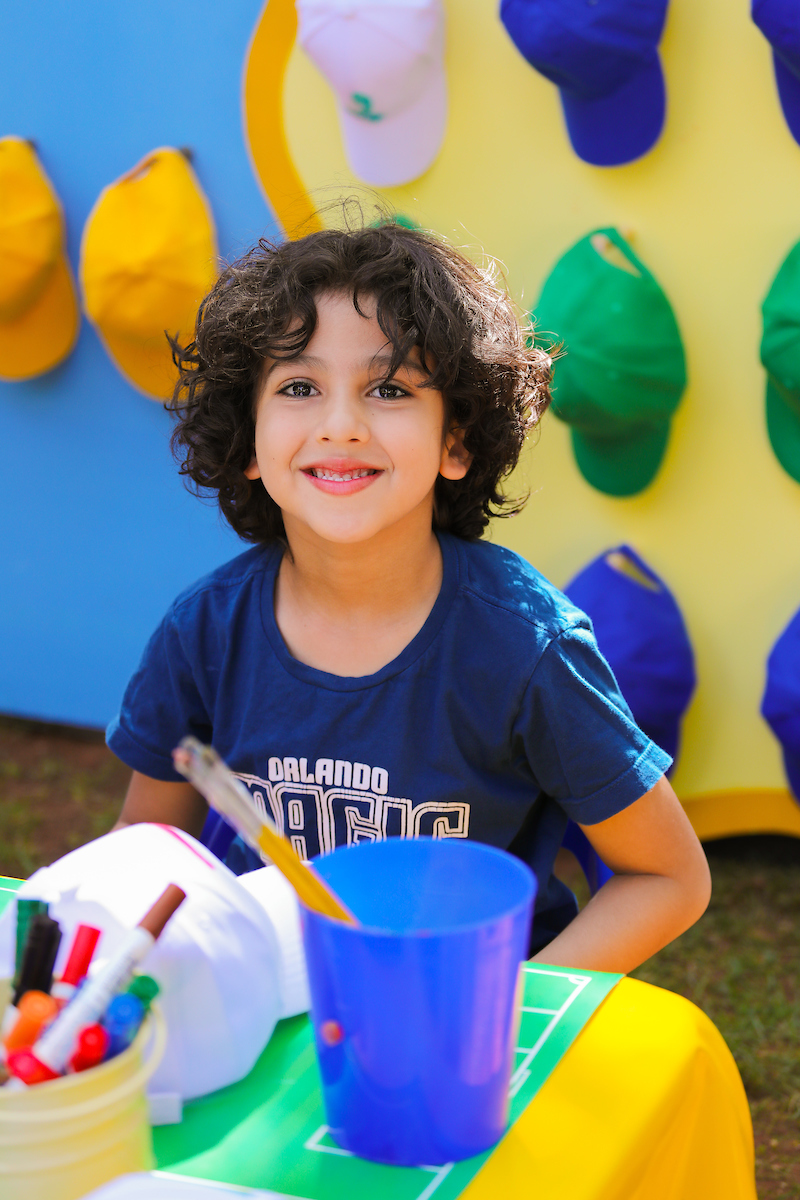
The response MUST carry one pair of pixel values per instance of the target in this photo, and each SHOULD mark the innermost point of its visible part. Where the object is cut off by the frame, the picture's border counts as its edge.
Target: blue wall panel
(97, 532)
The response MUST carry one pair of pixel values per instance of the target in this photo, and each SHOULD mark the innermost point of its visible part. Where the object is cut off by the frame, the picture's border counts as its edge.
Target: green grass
(741, 965)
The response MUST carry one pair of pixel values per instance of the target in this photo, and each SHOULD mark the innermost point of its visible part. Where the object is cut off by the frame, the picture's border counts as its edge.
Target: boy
(371, 668)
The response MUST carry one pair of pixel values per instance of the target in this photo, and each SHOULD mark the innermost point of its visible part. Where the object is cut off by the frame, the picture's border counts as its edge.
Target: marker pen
(145, 987)
(36, 1009)
(91, 1049)
(25, 910)
(26, 1069)
(80, 955)
(121, 1022)
(39, 955)
(57, 1045)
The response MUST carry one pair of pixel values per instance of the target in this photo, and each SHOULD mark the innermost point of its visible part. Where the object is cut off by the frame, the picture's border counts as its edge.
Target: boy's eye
(298, 388)
(389, 391)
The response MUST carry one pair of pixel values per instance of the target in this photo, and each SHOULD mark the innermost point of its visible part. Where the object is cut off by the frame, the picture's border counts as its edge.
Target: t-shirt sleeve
(580, 738)
(161, 705)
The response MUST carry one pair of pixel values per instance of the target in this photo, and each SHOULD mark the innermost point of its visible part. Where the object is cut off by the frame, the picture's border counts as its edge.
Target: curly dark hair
(494, 379)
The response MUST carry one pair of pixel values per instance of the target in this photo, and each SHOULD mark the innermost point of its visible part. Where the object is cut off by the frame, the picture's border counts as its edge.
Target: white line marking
(314, 1140)
(545, 1012)
(441, 1173)
(517, 1082)
(313, 1143)
(579, 982)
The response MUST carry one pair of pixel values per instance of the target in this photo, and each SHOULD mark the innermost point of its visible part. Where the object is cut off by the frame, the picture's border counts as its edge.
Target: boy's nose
(343, 419)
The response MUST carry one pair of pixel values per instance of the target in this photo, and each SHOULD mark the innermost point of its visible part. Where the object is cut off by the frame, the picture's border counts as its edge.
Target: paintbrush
(206, 771)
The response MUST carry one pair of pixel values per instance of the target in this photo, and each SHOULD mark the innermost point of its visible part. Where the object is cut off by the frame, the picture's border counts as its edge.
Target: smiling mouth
(341, 476)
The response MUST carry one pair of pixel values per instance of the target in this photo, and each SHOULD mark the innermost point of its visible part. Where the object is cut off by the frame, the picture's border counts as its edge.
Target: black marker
(26, 910)
(39, 956)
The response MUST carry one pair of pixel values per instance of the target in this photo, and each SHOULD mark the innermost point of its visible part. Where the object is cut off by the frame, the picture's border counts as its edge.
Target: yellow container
(61, 1139)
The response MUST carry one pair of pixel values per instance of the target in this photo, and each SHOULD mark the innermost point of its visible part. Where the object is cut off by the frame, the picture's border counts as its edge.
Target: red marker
(80, 955)
(25, 1066)
(91, 1048)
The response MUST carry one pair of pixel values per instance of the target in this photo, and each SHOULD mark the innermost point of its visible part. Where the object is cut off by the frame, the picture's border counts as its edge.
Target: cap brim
(783, 427)
(621, 466)
(616, 129)
(148, 366)
(41, 337)
(789, 95)
(395, 150)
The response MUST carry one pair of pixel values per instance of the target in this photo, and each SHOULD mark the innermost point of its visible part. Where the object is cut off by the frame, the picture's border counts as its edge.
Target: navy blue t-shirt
(498, 721)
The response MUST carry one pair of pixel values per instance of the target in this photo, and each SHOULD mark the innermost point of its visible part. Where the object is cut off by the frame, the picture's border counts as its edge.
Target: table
(646, 1104)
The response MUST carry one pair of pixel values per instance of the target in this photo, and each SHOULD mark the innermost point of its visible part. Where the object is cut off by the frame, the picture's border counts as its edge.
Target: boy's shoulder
(223, 586)
(501, 579)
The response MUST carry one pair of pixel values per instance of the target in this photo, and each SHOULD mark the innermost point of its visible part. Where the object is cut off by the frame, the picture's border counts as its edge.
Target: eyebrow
(311, 360)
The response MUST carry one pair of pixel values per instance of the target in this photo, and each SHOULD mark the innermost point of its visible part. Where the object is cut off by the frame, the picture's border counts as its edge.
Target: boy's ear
(253, 471)
(456, 459)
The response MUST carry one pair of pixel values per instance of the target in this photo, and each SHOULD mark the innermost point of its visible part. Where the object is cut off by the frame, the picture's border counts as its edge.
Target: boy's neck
(350, 609)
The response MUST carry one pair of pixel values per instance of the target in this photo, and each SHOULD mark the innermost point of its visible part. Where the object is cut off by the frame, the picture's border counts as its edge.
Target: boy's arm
(661, 886)
(163, 803)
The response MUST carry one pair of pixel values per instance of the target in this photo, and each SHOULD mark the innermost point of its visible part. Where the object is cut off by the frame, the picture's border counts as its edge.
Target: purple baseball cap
(603, 56)
(779, 21)
(780, 705)
(642, 635)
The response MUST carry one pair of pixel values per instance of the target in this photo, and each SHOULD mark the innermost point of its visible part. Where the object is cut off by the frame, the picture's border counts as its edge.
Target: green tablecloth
(268, 1130)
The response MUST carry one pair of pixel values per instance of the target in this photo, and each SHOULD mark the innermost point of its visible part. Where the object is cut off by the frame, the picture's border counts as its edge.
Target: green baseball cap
(624, 371)
(780, 354)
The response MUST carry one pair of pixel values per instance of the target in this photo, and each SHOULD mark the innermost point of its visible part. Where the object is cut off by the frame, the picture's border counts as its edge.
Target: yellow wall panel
(712, 210)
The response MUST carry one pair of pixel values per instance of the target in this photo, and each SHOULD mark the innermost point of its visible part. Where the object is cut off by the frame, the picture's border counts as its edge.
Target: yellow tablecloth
(646, 1105)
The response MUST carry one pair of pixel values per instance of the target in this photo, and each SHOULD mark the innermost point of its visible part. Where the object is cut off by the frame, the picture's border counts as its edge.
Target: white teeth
(341, 476)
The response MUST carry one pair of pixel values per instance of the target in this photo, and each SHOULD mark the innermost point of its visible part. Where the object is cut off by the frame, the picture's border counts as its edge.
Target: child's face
(343, 451)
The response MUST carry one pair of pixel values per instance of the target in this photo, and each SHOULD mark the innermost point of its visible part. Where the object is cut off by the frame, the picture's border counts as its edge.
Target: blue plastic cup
(414, 1011)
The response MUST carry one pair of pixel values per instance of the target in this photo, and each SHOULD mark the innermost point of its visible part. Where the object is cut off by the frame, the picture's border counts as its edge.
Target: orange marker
(36, 1009)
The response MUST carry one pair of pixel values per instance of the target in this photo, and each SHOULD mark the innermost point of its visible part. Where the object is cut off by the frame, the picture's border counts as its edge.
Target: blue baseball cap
(779, 22)
(603, 56)
(780, 706)
(641, 633)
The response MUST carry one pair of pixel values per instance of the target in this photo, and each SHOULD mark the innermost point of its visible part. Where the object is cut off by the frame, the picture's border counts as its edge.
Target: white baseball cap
(384, 60)
(229, 963)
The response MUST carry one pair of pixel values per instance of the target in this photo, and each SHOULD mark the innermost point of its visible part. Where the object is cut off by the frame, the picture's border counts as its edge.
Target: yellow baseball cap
(39, 315)
(148, 257)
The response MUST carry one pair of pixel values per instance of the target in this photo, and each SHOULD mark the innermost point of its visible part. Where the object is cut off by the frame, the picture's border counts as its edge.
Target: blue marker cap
(780, 706)
(640, 631)
(778, 21)
(122, 1019)
(604, 59)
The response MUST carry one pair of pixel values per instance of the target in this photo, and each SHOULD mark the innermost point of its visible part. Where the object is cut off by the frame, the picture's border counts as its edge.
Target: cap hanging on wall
(780, 354)
(780, 705)
(39, 317)
(624, 372)
(779, 21)
(604, 60)
(640, 631)
(385, 63)
(148, 258)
